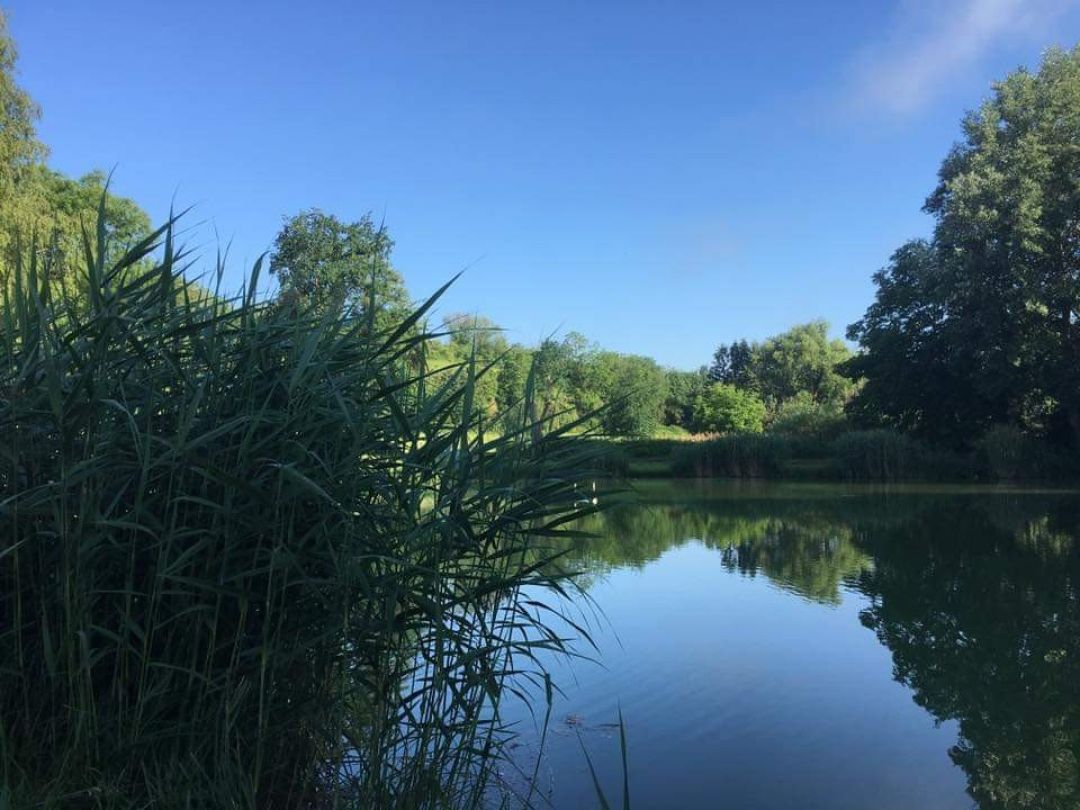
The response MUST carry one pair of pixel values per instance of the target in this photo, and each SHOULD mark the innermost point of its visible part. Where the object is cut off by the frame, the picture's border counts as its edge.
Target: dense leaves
(978, 326)
(722, 408)
(249, 556)
(323, 262)
(801, 362)
(19, 145)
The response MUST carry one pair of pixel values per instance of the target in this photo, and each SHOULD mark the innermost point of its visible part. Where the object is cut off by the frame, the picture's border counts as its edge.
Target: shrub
(249, 557)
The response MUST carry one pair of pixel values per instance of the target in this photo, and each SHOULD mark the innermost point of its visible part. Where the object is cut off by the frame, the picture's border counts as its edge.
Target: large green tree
(802, 360)
(979, 325)
(323, 262)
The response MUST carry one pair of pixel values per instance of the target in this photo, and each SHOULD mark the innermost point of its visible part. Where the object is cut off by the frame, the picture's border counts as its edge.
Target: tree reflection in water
(974, 593)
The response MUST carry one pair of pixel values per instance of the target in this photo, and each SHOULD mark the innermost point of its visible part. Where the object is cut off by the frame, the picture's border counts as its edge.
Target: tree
(474, 338)
(801, 360)
(553, 368)
(723, 408)
(42, 207)
(997, 289)
(910, 364)
(52, 211)
(733, 364)
(683, 390)
(19, 146)
(635, 398)
(323, 262)
(511, 377)
(20, 149)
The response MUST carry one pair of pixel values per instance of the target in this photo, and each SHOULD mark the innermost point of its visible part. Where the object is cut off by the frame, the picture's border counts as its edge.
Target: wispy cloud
(931, 45)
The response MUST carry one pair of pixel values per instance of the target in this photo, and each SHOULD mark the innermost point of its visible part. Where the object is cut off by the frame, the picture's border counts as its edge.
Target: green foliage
(476, 340)
(733, 364)
(19, 147)
(42, 206)
(249, 558)
(556, 365)
(802, 361)
(323, 262)
(671, 432)
(576, 381)
(1006, 453)
(799, 362)
(636, 394)
(723, 408)
(53, 210)
(978, 326)
(683, 390)
(885, 455)
(803, 416)
(737, 455)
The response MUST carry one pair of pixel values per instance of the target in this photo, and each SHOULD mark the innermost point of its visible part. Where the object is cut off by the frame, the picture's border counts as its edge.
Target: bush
(248, 557)
(737, 455)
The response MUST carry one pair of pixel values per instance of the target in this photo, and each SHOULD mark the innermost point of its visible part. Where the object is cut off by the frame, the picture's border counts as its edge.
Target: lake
(823, 646)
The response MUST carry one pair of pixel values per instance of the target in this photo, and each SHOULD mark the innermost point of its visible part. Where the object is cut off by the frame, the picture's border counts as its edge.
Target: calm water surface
(811, 646)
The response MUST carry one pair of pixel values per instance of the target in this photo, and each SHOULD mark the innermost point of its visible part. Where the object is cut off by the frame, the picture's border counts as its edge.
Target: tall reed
(252, 556)
(886, 455)
(735, 455)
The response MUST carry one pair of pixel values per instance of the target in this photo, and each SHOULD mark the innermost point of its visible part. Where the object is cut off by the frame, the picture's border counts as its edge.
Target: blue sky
(661, 176)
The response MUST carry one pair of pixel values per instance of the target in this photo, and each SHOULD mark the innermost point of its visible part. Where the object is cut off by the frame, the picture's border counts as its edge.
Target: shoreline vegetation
(873, 455)
(260, 556)
(290, 547)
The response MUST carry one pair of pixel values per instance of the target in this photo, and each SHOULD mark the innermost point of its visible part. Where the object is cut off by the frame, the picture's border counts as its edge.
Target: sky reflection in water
(777, 646)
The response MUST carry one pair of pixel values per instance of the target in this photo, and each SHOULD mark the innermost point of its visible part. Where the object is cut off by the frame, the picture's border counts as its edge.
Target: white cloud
(932, 44)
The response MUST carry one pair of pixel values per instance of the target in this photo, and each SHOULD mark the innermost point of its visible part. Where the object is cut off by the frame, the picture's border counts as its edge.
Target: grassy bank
(1003, 454)
(250, 556)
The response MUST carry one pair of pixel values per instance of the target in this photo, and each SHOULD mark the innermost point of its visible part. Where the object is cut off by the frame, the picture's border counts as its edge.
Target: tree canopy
(723, 408)
(978, 325)
(321, 261)
(801, 362)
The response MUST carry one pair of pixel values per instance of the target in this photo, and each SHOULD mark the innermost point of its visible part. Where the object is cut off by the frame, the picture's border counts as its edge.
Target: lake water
(820, 646)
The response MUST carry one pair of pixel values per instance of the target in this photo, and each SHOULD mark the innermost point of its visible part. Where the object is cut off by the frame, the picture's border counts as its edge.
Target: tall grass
(736, 455)
(886, 455)
(253, 557)
(1006, 453)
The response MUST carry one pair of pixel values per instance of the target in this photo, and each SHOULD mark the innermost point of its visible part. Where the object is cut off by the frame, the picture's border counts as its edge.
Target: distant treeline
(973, 331)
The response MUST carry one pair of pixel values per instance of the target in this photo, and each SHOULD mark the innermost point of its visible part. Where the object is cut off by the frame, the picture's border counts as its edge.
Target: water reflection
(974, 594)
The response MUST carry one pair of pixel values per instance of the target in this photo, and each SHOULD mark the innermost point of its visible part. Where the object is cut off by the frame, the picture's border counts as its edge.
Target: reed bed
(886, 455)
(735, 455)
(254, 556)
